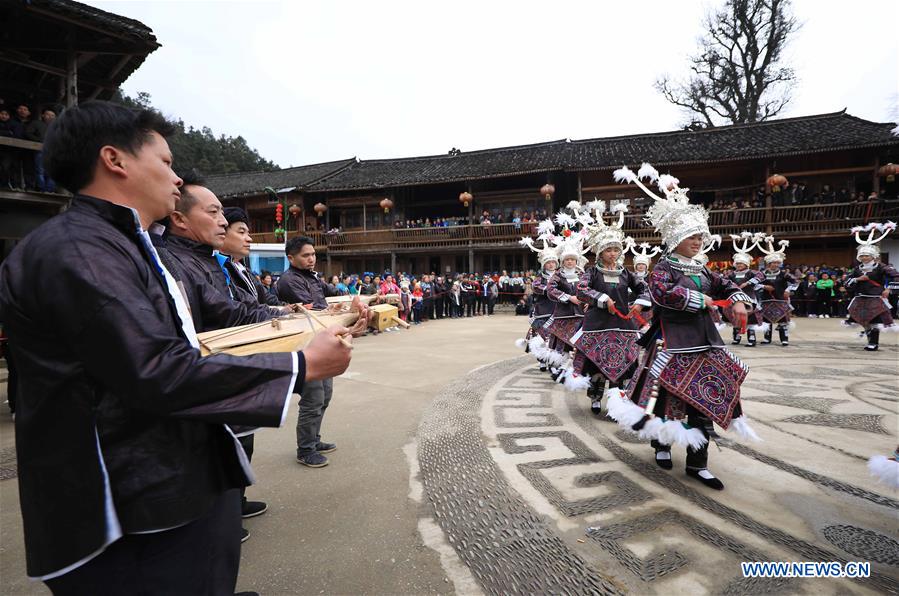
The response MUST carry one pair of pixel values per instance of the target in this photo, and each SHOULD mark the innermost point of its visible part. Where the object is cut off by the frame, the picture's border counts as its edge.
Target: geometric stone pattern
(808, 551)
(863, 422)
(507, 547)
(623, 490)
(865, 544)
(782, 397)
(8, 468)
(665, 561)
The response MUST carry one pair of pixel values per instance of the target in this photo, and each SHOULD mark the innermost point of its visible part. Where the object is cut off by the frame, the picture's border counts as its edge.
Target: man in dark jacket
(302, 284)
(126, 467)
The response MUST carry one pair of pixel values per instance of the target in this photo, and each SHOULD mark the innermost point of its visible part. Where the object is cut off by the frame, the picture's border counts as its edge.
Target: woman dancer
(775, 290)
(870, 284)
(749, 281)
(689, 380)
(537, 336)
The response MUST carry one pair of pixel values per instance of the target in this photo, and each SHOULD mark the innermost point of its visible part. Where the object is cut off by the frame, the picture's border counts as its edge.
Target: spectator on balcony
(9, 164)
(35, 131)
(844, 196)
(828, 196)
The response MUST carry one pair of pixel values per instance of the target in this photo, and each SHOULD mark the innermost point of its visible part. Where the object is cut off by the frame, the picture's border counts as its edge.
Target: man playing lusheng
(123, 473)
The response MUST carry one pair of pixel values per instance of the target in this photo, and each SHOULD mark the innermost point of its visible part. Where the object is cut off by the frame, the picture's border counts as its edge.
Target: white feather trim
(624, 174)
(555, 358)
(527, 241)
(886, 328)
(761, 328)
(885, 470)
(647, 171)
(546, 227)
(520, 343)
(651, 429)
(564, 375)
(791, 325)
(573, 205)
(741, 427)
(575, 382)
(721, 326)
(623, 410)
(536, 342)
(673, 432)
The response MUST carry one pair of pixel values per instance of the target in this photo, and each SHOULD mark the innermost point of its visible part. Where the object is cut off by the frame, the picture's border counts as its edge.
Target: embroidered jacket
(594, 289)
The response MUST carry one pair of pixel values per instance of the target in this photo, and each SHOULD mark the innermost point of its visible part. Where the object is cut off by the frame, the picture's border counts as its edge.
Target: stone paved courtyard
(462, 468)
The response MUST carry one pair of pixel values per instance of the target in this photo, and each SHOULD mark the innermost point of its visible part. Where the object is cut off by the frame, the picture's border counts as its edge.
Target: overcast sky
(306, 82)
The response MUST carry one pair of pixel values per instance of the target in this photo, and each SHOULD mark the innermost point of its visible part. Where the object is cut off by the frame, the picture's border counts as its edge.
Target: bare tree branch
(736, 74)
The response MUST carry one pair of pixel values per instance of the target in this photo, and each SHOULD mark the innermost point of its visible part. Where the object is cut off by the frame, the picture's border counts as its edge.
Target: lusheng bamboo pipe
(315, 318)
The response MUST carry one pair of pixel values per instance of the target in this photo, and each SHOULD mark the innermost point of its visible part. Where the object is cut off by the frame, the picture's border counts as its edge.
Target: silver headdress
(747, 242)
(644, 255)
(673, 216)
(868, 246)
(772, 254)
(603, 235)
(549, 251)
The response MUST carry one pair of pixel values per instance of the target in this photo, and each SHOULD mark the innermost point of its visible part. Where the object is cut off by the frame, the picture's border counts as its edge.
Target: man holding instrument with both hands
(125, 469)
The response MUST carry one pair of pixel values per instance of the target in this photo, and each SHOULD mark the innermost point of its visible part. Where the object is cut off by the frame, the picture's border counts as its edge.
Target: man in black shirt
(126, 467)
(301, 284)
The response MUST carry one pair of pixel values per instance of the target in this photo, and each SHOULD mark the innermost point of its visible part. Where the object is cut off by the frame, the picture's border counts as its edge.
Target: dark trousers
(469, 306)
(202, 557)
(246, 442)
(491, 302)
(12, 380)
(313, 403)
(825, 305)
(697, 459)
(479, 303)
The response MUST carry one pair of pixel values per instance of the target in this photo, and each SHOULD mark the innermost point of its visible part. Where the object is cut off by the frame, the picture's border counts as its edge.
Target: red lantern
(386, 204)
(279, 213)
(547, 190)
(776, 182)
(320, 208)
(294, 209)
(466, 198)
(889, 170)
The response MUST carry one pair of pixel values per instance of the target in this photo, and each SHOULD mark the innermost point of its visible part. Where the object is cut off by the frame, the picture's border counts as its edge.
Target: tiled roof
(243, 183)
(807, 134)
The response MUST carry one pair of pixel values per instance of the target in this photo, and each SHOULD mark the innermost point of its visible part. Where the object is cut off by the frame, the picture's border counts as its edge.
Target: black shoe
(870, 348)
(709, 482)
(736, 342)
(596, 407)
(252, 509)
(313, 460)
(665, 464)
(325, 447)
(245, 535)
(750, 344)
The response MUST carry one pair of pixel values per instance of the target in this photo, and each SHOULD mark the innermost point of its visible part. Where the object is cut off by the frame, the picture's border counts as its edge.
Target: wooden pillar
(876, 180)
(470, 260)
(363, 216)
(71, 79)
(393, 263)
(580, 196)
(768, 208)
(327, 219)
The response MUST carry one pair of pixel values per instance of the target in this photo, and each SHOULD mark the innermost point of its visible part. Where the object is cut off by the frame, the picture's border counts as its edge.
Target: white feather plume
(573, 205)
(647, 171)
(520, 343)
(596, 205)
(563, 219)
(527, 241)
(546, 227)
(667, 182)
(618, 208)
(624, 174)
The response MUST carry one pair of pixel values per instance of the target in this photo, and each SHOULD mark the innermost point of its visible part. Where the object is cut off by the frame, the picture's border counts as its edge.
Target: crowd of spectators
(431, 296)
(23, 169)
(487, 217)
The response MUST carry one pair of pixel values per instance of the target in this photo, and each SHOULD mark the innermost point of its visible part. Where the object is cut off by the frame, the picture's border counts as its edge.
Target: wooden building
(57, 53)
(834, 156)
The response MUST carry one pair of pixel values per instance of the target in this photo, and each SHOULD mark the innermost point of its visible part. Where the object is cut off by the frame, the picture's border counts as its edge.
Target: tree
(737, 75)
(201, 149)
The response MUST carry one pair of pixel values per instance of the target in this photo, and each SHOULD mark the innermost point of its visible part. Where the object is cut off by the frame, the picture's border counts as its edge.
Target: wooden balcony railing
(807, 221)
